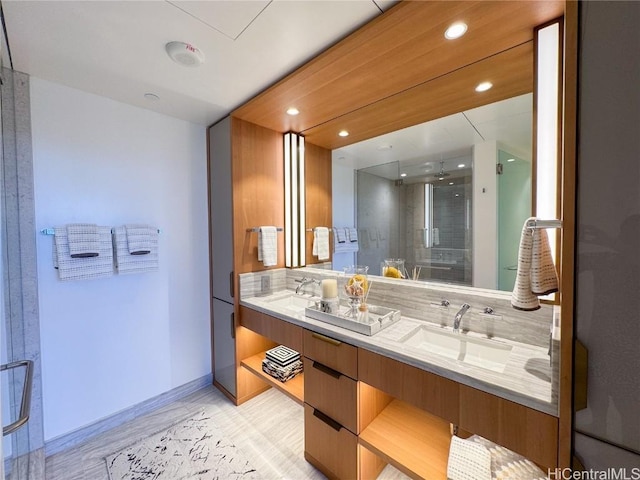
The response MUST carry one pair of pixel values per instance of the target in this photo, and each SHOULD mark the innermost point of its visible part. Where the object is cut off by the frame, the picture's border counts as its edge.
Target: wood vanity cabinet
(524, 430)
(331, 405)
(433, 393)
(276, 330)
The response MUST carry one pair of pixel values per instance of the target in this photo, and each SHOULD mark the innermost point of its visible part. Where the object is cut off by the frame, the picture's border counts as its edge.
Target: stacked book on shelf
(282, 363)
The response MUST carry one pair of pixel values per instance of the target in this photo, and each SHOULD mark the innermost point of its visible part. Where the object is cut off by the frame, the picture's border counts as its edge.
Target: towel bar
(544, 224)
(51, 231)
(257, 229)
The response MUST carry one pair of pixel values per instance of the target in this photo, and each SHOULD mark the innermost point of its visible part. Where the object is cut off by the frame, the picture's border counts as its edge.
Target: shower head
(440, 175)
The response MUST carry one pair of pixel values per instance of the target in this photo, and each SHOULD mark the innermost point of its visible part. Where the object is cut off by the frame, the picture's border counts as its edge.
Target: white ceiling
(116, 48)
(418, 150)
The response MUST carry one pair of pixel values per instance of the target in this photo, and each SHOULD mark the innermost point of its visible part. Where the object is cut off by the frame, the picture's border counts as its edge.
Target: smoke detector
(185, 54)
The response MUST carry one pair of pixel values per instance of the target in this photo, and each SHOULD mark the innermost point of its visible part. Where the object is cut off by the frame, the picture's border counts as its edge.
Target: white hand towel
(341, 235)
(353, 235)
(268, 245)
(321, 243)
(84, 240)
(533, 244)
(436, 236)
(127, 262)
(544, 279)
(82, 268)
(140, 238)
(468, 461)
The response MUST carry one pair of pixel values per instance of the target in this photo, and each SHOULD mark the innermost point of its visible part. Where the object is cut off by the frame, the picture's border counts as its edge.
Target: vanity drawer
(332, 353)
(328, 446)
(276, 330)
(332, 393)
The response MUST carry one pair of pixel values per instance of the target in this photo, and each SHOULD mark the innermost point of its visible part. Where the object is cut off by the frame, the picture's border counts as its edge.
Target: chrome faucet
(458, 318)
(305, 281)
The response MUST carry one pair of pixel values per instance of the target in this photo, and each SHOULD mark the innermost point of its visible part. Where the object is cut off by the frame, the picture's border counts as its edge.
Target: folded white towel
(468, 460)
(268, 245)
(321, 243)
(534, 244)
(140, 238)
(353, 234)
(84, 240)
(127, 262)
(436, 236)
(82, 268)
(342, 242)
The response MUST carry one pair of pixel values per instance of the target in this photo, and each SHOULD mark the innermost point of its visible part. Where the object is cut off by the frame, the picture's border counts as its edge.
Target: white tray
(368, 323)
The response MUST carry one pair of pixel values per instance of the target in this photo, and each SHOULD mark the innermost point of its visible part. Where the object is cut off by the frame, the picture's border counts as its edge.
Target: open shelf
(293, 388)
(410, 439)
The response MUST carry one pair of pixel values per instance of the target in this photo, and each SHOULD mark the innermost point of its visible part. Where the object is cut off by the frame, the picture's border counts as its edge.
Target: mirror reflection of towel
(321, 243)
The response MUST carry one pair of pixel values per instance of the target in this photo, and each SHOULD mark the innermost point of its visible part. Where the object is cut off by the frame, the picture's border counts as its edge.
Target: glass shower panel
(514, 207)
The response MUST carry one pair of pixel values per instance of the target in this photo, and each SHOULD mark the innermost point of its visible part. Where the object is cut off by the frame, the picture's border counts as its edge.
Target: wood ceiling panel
(511, 73)
(398, 50)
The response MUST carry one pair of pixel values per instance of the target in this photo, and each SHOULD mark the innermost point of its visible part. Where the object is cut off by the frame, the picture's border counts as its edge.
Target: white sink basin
(479, 352)
(290, 301)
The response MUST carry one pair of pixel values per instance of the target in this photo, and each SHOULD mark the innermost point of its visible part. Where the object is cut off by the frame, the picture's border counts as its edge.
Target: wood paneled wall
(258, 191)
(318, 192)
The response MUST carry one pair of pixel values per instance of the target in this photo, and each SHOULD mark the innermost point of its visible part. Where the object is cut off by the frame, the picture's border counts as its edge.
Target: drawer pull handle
(326, 339)
(327, 370)
(329, 421)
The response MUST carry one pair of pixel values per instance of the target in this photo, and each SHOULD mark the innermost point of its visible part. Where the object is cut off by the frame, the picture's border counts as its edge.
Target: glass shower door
(514, 207)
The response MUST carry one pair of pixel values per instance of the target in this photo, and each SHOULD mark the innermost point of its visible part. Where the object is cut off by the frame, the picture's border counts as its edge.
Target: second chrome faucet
(458, 317)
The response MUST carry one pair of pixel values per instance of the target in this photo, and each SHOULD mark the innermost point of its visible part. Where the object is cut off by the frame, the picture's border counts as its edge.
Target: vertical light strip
(295, 248)
(287, 199)
(294, 201)
(428, 202)
(302, 203)
(547, 134)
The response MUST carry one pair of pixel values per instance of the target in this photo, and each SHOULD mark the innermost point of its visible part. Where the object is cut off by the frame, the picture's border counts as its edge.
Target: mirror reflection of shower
(424, 219)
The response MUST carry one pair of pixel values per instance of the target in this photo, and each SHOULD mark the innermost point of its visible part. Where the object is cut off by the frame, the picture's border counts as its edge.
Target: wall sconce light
(294, 201)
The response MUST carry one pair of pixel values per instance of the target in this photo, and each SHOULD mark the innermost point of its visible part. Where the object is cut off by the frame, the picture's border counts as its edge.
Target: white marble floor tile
(269, 429)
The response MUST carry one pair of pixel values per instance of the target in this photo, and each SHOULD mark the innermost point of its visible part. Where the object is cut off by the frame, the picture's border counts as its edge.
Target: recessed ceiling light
(450, 183)
(511, 160)
(293, 111)
(461, 165)
(343, 133)
(457, 194)
(455, 30)
(152, 97)
(403, 174)
(484, 86)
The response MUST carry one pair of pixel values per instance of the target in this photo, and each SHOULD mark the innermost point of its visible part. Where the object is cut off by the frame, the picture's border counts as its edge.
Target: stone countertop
(526, 379)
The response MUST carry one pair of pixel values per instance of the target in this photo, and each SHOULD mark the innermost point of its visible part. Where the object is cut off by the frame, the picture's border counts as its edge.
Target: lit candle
(329, 288)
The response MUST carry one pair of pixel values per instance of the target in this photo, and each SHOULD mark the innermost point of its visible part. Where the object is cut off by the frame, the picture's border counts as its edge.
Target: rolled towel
(268, 245)
(84, 240)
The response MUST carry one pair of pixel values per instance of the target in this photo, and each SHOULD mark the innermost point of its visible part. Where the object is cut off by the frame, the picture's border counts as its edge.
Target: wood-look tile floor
(269, 429)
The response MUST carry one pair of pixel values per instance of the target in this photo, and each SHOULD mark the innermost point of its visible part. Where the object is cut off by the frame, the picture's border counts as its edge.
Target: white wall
(485, 219)
(110, 343)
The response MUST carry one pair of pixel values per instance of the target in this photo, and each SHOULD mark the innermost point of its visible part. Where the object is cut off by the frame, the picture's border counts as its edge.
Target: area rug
(193, 449)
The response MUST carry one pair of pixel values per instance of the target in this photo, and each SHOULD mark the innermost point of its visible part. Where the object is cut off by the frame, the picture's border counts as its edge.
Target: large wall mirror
(414, 190)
